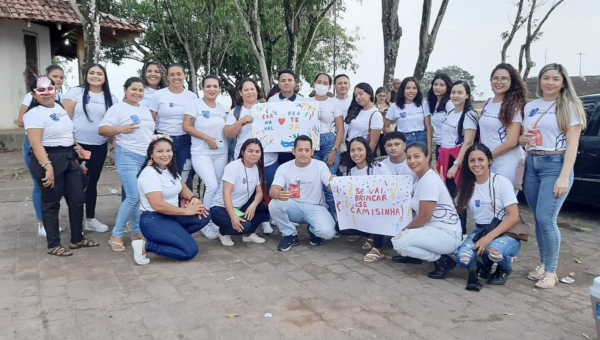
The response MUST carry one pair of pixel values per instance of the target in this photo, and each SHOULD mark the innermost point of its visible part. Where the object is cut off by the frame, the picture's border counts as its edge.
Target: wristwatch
(335, 148)
(456, 163)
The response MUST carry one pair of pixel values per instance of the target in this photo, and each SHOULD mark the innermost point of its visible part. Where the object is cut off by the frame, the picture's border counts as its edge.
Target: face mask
(321, 90)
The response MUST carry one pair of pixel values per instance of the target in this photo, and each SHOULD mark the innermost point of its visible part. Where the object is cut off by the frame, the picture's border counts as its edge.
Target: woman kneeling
(494, 206)
(167, 228)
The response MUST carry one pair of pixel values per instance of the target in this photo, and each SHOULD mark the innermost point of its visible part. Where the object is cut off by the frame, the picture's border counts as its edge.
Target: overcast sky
(469, 38)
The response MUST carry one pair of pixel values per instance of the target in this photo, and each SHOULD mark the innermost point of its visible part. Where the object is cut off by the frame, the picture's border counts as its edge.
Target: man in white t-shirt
(297, 197)
(395, 144)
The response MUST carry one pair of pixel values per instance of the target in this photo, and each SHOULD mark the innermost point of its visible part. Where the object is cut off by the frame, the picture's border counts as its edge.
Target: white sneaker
(210, 231)
(226, 240)
(266, 227)
(95, 225)
(138, 252)
(253, 238)
(41, 230)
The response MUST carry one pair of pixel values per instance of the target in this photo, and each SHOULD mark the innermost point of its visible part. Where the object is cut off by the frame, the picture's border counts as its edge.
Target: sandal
(548, 280)
(85, 243)
(60, 251)
(353, 239)
(373, 256)
(537, 274)
(368, 244)
(116, 246)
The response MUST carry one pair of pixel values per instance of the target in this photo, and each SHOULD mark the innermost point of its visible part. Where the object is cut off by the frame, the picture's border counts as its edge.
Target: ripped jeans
(501, 251)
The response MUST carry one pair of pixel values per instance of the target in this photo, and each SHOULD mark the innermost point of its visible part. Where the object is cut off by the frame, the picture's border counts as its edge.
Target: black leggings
(453, 190)
(94, 165)
(377, 239)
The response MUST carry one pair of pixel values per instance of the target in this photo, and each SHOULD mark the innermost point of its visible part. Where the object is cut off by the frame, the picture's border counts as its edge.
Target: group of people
(163, 135)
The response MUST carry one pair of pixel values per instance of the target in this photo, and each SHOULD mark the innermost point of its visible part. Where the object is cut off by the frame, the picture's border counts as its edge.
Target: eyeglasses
(501, 80)
(45, 90)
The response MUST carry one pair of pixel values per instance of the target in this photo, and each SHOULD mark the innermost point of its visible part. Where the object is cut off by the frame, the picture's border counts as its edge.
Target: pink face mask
(44, 86)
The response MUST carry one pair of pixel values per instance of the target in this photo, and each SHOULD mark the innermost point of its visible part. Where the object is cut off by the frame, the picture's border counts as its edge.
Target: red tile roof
(57, 11)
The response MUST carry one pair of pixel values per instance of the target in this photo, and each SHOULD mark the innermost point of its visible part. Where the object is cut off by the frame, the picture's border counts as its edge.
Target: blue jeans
(327, 143)
(128, 166)
(36, 196)
(416, 136)
(171, 236)
(506, 246)
(221, 218)
(541, 173)
(284, 213)
(183, 158)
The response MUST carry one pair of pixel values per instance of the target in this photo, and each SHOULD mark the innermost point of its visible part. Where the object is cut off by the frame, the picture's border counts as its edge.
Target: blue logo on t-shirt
(171, 104)
(54, 117)
(534, 112)
(244, 181)
(206, 114)
(402, 114)
(477, 203)
(135, 119)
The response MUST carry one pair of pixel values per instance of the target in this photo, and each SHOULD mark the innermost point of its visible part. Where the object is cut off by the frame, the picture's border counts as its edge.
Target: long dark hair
(238, 97)
(86, 90)
(161, 68)
(432, 99)
(466, 185)
(355, 108)
(516, 96)
(172, 167)
(34, 103)
(261, 164)
(400, 97)
(370, 157)
(468, 107)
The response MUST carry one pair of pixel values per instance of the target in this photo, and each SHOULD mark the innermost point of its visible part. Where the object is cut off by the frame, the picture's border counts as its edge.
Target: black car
(586, 188)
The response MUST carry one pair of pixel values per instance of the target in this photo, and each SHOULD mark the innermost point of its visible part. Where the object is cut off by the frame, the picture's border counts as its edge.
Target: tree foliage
(455, 73)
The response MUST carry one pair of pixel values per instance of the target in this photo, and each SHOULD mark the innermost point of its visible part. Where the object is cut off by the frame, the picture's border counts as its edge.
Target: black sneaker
(442, 267)
(499, 277)
(288, 242)
(314, 240)
(406, 259)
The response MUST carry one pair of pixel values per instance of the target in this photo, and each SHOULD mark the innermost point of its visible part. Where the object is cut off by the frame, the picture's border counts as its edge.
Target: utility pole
(546, 56)
(580, 58)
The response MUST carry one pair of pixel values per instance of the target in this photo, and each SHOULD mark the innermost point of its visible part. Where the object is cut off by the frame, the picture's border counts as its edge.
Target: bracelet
(47, 163)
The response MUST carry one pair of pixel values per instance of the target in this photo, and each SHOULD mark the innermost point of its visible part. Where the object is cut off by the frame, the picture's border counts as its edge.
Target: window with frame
(32, 57)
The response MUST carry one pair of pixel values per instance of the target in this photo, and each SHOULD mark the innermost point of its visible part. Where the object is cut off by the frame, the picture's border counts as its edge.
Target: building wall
(12, 66)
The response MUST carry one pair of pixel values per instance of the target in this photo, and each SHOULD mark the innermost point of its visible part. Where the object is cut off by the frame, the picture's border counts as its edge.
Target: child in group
(395, 146)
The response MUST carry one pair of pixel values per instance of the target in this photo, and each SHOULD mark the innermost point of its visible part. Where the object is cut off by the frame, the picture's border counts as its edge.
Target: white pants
(210, 169)
(507, 164)
(427, 243)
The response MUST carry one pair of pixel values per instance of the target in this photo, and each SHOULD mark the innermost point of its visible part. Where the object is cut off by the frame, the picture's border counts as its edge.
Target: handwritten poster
(277, 125)
(373, 204)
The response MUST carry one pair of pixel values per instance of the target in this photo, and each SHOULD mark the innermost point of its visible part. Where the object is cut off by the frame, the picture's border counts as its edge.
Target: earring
(150, 162)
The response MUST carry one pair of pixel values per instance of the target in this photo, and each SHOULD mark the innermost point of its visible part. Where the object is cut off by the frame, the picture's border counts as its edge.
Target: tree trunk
(90, 21)
(193, 80)
(515, 27)
(426, 39)
(392, 32)
(292, 25)
(315, 21)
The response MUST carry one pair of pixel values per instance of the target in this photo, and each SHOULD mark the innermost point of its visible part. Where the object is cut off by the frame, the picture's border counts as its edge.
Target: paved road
(322, 292)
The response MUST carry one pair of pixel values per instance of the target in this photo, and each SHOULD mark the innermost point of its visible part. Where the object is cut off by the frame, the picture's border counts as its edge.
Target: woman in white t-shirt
(86, 105)
(132, 126)
(153, 81)
(55, 167)
(492, 201)
(435, 232)
(168, 107)
(410, 113)
(501, 119)
(239, 206)
(364, 158)
(57, 75)
(363, 119)
(204, 120)
(167, 228)
(459, 132)
(439, 103)
(552, 126)
(332, 131)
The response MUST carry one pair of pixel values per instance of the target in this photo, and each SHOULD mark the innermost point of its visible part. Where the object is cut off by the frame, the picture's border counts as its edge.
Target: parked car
(586, 188)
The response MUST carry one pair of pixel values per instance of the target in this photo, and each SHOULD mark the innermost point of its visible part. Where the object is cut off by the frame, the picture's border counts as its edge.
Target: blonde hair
(567, 102)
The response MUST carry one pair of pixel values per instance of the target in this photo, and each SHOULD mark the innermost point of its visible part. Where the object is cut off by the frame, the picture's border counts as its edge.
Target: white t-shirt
(170, 107)
(553, 138)
(124, 114)
(431, 188)
(378, 169)
(481, 201)
(245, 134)
(410, 118)
(359, 126)
(58, 127)
(151, 181)
(343, 105)
(295, 98)
(86, 130)
(311, 179)
(329, 112)
(29, 98)
(209, 121)
(148, 94)
(400, 169)
(450, 128)
(437, 120)
(244, 180)
(493, 132)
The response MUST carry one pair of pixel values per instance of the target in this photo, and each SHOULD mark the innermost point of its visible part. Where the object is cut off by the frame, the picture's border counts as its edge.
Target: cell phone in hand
(86, 155)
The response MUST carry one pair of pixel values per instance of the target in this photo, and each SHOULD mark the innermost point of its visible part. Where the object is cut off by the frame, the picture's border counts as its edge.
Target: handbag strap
(543, 114)
(493, 193)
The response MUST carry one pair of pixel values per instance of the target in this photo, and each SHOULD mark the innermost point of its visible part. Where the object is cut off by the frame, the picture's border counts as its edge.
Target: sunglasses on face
(45, 90)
